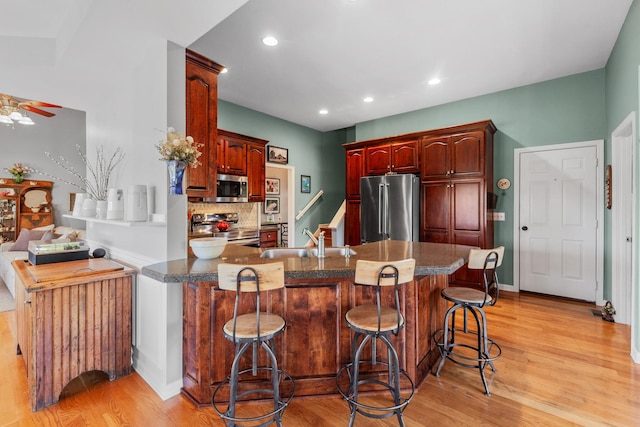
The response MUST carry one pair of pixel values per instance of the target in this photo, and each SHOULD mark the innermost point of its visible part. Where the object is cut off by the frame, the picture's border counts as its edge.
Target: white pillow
(46, 228)
(65, 232)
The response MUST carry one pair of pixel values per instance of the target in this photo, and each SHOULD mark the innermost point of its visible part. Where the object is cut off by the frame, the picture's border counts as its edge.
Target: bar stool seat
(484, 351)
(254, 330)
(373, 322)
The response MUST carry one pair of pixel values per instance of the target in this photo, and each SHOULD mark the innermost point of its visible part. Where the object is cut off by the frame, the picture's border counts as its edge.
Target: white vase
(115, 204)
(89, 208)
(77, 205)
(101, 209)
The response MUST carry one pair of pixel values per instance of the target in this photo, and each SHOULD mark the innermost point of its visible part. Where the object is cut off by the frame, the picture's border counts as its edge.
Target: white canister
(136, 204)
(101, 209)
(77, 204)
(115, 204)
(88, 208)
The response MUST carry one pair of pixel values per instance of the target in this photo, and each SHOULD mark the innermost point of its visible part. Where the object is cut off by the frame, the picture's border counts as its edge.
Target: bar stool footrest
(270, 417)
(493, 351)
(377, 412)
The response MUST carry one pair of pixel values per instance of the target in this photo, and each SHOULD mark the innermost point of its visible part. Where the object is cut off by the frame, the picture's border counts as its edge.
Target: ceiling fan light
(15, 116)
(5, 119)
(26, 120)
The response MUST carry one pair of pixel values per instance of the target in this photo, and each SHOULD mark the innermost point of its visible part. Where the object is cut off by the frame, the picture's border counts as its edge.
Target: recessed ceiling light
(323, 111)
(270, 41)
(434, 81)
(368, 99)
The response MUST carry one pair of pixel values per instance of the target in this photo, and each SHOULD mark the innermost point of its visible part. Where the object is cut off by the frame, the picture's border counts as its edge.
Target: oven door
(253, 242)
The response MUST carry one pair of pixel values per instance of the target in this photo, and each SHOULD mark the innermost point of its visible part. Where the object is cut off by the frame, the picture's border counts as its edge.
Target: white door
(558, 222)
(622, 213)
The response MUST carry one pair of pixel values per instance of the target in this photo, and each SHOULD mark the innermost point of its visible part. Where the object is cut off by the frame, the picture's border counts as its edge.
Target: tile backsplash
(248, 213)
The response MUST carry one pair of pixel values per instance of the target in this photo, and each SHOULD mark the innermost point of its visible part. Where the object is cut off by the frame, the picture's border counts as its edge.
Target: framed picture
(272, 185)
(277, 155)
(305, 184)
(272, 205)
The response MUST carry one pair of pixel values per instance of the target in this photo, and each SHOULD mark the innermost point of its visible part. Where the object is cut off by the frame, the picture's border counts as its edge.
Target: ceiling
(333, 53)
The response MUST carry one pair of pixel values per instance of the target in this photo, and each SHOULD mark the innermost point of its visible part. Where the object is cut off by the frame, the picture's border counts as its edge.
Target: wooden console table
(72, 317)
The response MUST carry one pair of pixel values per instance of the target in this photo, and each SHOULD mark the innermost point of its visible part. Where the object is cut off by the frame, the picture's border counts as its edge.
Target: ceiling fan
(10, 109)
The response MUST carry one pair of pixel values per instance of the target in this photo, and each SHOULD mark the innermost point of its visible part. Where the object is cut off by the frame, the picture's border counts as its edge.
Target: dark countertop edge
(158, 272)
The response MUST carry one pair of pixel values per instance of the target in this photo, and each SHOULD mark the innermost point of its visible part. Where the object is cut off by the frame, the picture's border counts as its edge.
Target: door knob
(525, 228)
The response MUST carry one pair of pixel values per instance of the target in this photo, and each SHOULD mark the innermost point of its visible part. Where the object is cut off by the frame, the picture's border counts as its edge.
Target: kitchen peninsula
(317, 294)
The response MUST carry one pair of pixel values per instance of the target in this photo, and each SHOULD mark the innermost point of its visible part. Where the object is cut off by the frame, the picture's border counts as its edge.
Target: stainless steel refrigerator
(390, 208)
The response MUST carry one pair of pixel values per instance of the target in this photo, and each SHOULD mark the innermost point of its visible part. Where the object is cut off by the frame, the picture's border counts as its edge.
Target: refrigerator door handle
(380, 209)
(385, 211)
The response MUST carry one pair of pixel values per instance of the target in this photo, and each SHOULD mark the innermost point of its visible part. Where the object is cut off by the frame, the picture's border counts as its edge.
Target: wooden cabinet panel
(468, 205)
(202, 121)
(436, 212)
(467, 154)
(352, 222)
(404, 157)
(355, 170)
(435, 158)
(378, 160)
(231, 156)
(256, 158)
(399, 157)
(269, 239)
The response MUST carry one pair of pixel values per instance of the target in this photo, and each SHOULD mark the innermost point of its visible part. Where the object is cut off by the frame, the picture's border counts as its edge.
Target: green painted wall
(621, 99)
(569, 109)
(317, 154)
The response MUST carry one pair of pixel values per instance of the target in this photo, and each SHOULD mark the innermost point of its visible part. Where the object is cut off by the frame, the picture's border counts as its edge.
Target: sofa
(11, 251)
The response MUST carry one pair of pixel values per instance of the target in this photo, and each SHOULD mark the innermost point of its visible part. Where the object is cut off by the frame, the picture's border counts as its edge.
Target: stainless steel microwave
(231, 189)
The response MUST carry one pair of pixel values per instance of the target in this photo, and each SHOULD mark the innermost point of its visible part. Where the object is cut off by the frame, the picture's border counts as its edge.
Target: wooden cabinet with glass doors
(24, 205)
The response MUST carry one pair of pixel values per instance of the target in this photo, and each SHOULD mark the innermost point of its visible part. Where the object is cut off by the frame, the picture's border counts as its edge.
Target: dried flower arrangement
(97, 183)
(180, 147)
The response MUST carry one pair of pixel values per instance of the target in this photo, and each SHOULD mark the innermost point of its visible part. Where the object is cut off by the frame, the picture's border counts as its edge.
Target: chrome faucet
(319, 242)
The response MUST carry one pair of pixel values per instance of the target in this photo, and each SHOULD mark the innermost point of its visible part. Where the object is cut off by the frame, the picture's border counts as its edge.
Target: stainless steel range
(206, 225)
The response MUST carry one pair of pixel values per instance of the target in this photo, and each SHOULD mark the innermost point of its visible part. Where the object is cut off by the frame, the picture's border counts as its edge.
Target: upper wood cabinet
(454, 156)
(243, 155)
(202, 121)
(355, 170)
(256, 159)
(399, 157)
(231, 154)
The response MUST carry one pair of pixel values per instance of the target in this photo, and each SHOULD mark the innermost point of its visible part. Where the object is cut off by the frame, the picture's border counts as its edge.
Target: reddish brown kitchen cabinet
(231, 154)
(398, 157)
(256, 158)
(202, 121)
(352, 222)
(355, 170)
(243, 155)
(456, 179)
(454, 156)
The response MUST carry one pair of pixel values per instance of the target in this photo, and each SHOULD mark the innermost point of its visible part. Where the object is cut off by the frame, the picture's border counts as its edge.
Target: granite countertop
(431, 259)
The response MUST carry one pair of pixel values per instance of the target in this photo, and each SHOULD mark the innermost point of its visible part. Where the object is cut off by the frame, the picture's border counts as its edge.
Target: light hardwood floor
(560, 366)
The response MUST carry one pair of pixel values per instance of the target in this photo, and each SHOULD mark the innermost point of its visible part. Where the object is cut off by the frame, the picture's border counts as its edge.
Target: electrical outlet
(499, 216)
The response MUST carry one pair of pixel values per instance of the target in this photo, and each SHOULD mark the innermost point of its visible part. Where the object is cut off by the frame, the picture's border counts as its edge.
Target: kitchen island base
(316, 342)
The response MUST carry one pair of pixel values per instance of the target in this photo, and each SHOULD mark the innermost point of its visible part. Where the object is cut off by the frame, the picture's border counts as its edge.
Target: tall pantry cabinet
(456, 178)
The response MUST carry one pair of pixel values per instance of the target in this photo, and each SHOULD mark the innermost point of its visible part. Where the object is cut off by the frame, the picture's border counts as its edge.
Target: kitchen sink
(285, 253)
(333, 251)
(304, 252)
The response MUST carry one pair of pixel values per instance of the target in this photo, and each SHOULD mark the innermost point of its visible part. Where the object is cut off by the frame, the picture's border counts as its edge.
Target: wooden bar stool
(254, 329)
(473, 301)
(373, 322)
